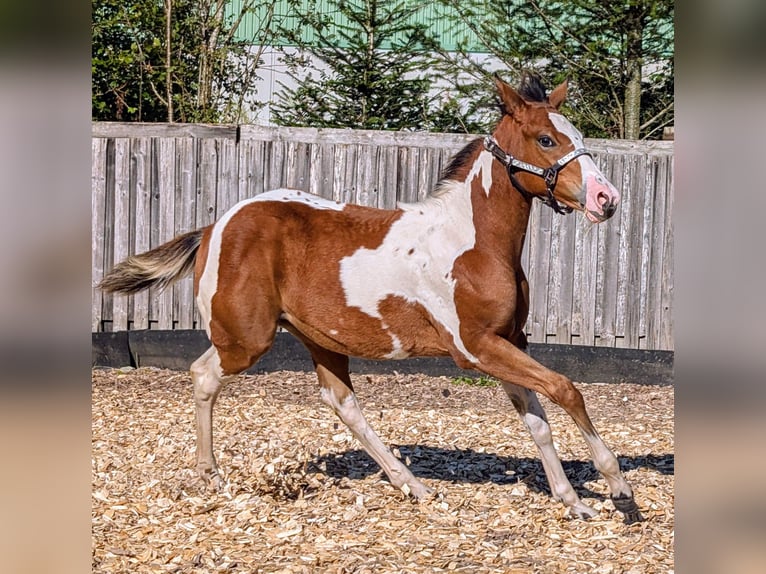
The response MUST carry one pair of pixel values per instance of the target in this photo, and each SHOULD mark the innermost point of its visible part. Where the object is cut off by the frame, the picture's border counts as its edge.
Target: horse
(440, 277)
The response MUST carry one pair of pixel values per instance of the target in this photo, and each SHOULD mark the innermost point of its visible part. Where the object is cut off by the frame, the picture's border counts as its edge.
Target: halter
(549, 174)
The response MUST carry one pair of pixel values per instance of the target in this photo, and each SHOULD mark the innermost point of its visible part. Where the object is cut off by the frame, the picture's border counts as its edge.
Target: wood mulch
(302, 496)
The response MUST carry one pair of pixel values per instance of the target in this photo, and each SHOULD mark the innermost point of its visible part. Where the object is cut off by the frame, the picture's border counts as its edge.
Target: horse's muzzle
(601, 199)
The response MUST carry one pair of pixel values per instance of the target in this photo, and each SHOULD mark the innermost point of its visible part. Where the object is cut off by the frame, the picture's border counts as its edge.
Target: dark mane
(459, 159)
(531, 88)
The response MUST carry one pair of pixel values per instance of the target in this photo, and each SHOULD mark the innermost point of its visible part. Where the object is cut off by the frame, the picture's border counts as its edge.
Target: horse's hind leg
(209, 373)
(208, 380)
(337, 392)
(531, 412)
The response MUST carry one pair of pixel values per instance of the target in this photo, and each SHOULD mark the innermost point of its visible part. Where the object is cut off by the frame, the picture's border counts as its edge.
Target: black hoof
(627, 505)
(632, 517)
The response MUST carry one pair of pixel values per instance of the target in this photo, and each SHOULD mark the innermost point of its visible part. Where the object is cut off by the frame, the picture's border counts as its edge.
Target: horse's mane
(455, 164)
(531, 88)
(459, 159)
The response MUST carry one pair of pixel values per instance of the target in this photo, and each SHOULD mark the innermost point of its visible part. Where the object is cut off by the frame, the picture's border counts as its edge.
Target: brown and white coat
(441, 277)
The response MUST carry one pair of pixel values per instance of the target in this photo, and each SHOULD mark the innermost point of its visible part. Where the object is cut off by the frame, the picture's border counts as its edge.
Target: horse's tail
(156, 268)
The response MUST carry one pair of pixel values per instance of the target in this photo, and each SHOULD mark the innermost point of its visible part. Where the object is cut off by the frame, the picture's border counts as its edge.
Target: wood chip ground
(301, 495)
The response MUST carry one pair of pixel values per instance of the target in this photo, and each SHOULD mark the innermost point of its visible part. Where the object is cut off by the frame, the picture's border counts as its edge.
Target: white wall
(273, 73)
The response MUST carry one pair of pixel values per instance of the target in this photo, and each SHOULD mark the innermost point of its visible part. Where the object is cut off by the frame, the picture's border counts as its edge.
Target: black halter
(549, 174)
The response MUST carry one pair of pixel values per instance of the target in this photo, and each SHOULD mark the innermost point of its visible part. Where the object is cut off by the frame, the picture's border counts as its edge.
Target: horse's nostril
(603, 199)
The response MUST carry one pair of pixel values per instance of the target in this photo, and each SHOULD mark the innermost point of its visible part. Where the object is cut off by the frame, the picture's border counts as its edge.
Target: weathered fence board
(141, 186)
(166, 193)
(98, 226)
(608, 285)
(185, 220)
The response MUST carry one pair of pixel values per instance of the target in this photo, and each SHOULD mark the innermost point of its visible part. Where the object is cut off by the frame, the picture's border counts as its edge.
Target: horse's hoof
(633, 517)
(582, 511)
(627, 505)
(418, 491)
(210, 479)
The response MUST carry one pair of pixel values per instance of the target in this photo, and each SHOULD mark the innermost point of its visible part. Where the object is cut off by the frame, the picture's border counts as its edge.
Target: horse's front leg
(499, 358)
(532, 414)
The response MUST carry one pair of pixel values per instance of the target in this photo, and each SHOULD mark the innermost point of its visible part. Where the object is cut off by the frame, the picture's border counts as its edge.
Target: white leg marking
(533, 415)
(607, 464)
(349, 412)
(207, 380)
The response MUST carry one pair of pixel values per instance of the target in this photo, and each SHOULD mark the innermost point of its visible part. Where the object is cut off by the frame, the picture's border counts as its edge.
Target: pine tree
(359, 65)
(618, 57)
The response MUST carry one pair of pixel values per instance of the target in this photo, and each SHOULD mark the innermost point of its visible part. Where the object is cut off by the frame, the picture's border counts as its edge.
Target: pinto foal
(441, 277)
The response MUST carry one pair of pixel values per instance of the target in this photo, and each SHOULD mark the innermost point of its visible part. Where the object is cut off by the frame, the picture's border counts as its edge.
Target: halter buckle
(550, 176)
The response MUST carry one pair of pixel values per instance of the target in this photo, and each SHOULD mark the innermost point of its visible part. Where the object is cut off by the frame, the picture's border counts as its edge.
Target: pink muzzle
(601, 198)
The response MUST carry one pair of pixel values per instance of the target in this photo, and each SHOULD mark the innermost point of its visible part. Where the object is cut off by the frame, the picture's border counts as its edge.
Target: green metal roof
(430, 13)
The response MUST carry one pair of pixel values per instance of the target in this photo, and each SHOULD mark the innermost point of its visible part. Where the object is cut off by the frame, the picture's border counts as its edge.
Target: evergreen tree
(617, 55)
(358, 65)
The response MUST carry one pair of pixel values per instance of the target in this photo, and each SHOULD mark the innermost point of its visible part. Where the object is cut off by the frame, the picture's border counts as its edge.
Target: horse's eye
(546, 141)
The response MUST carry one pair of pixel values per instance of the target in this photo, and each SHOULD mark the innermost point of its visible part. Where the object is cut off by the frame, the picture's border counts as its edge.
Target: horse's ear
(559, 94)
(512, 101)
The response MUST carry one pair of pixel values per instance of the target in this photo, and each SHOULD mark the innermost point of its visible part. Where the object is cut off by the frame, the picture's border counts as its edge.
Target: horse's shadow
(470, 466)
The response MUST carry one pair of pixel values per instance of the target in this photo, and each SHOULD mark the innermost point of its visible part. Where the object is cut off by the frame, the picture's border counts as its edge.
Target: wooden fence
(608, 285)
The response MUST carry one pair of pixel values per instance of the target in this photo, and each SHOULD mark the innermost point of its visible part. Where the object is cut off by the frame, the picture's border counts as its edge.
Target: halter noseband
(549, 174)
